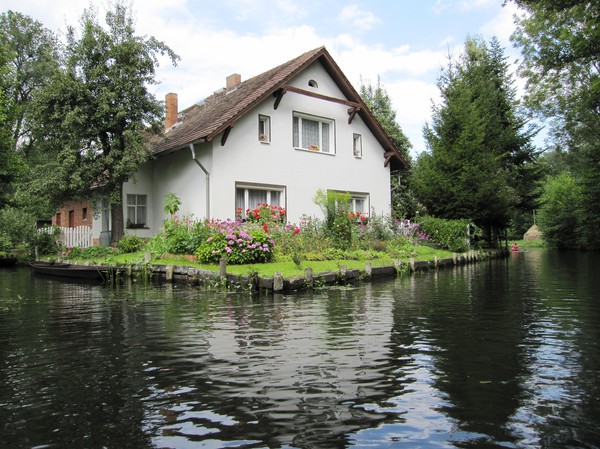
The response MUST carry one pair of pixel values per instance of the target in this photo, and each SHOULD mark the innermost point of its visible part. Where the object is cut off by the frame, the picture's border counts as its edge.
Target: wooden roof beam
(308, 93)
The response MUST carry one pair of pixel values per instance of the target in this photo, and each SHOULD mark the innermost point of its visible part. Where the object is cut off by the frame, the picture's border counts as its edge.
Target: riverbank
(347, 272)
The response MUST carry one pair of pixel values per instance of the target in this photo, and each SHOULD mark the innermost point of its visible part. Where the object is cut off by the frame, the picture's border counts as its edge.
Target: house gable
(218, 114)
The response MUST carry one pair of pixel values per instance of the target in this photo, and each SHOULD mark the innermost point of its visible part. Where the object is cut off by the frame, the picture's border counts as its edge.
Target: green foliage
(130, 243)
(45, 242)
(172, 203)
(338, 216)
(17, 226)
(561, 213)
(380, 104)
(94, 115)
(480, 151)
(91, 253)
(453, 235)
(559, 42)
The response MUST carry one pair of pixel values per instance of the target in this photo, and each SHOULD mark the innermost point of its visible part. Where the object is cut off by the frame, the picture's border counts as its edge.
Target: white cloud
(441, 6)
(501, 26)
(364, 20)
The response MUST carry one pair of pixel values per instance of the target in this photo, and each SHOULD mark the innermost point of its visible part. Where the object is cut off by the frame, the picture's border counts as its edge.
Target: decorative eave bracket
(388, 155)
(226, 135)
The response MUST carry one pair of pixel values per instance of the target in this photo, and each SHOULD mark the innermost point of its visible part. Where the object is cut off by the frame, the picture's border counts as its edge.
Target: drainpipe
(207, 180)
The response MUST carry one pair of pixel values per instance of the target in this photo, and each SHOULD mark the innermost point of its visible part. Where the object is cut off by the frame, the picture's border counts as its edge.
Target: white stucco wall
(302, 172)
(244, 159)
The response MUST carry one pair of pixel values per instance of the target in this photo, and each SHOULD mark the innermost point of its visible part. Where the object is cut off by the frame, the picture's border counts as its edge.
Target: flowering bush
(239, 243)
(264, 213)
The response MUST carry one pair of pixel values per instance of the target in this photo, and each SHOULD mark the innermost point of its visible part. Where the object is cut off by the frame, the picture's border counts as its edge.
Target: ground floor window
(250, 196)
(359, 202)
(136, 211)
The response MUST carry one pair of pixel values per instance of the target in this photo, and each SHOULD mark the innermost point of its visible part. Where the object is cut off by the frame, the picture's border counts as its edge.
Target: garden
(260, 240)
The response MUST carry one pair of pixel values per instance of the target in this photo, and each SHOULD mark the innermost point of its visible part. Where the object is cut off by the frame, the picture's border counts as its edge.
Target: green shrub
(130, 243)
(453, 235)
(17, 226)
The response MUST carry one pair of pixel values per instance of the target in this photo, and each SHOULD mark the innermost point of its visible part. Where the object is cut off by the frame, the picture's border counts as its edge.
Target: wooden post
(147, 257)
(308, 277)
(343, 271)
(368, 269)
(411, 261)
(169, 273)
(277, 282)
(223, 267)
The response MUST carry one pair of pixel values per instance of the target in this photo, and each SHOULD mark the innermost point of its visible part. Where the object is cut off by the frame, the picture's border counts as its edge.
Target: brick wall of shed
(79, 217)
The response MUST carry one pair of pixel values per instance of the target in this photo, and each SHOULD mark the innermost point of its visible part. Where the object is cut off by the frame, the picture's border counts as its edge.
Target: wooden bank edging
(197, 276)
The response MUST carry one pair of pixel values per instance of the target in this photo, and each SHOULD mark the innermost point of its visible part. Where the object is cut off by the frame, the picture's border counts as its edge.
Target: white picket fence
(80, 236)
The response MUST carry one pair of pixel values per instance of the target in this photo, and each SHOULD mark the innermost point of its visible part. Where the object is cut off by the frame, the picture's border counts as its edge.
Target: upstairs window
(264, 128)
(136, 211)
(313, 133)
(357, 145)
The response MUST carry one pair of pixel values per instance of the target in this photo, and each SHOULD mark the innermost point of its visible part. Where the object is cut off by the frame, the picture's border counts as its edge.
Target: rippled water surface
(502, 354)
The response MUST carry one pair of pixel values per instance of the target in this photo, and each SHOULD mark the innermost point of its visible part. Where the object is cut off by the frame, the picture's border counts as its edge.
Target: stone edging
(197, 276)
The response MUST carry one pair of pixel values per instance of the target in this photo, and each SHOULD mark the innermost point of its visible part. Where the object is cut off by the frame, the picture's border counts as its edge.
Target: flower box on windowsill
(313, 147)
(136, 226)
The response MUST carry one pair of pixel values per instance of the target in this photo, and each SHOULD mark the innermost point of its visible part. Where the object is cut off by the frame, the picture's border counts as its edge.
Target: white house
(276, 138)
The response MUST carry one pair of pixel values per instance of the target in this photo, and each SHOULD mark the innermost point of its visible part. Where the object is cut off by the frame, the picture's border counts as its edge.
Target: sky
(404, 43)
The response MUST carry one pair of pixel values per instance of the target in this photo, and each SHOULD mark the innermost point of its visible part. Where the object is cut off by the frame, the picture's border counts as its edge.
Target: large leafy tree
(7, 171)
(94, 115)
(479, 149)
(560, 41)
(379, 102)
(32, 62)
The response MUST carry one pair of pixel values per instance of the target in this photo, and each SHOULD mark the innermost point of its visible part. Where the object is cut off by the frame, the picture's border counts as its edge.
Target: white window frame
(355, 198)
(325, 145)
(264, 128)
(268, 188)
(134, 208)
(363, 198)
(357, 145)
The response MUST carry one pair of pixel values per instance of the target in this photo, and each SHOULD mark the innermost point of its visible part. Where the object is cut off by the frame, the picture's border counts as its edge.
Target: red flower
(296, 231)
(266, 228)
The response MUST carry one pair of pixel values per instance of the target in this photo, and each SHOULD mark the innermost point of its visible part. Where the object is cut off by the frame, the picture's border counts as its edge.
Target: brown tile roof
(207, 120)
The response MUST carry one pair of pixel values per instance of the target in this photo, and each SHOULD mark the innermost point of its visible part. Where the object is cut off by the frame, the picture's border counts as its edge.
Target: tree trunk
(117, 223)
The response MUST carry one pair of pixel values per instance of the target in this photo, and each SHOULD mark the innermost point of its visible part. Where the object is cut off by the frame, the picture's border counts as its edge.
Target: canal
(499, 354)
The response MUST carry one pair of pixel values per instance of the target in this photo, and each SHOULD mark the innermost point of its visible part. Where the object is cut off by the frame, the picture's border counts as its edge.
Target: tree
(32, 62)
(560, 214)
(379, 102)
(6, 154)
(479, 154)
(560, 42)
(95, 113)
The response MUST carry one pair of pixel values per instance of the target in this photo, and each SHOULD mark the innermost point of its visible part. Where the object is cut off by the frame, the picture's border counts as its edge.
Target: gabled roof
(218, 113)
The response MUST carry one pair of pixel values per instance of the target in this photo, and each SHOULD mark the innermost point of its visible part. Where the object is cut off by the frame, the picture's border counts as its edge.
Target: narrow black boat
(73, 271)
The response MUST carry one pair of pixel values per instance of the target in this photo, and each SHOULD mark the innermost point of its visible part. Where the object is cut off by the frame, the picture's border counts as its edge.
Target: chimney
(171, 111)
(232, 81)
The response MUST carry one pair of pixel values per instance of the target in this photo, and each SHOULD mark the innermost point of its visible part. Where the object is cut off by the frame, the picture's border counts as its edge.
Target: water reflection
(501, 354)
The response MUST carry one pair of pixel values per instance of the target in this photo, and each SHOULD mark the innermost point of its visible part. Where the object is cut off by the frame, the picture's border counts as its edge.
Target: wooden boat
(73, 271)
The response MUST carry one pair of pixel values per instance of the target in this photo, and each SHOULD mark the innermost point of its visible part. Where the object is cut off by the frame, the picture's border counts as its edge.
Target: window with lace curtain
(313, 133)
(136, 211)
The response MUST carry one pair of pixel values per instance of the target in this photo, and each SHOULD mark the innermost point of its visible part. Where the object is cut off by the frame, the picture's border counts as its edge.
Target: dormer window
(313, 83)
